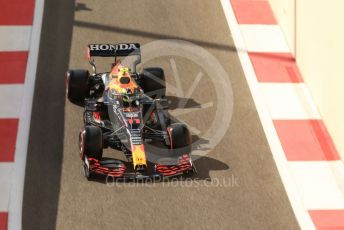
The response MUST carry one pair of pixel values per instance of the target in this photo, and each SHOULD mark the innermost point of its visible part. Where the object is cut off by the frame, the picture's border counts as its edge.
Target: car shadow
(206, 164)
(81, 7)
(152, 35)
(174, 102)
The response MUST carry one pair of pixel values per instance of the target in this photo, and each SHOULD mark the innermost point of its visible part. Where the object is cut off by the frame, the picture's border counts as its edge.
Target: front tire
(180, 138)
(92, 142)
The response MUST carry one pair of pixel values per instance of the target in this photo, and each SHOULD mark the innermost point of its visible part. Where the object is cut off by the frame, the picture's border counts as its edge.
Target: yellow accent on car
(139, 156)
(123, 71)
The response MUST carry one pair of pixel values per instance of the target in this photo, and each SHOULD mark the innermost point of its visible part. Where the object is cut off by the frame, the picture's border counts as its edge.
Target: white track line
(17, 188)
(317, 184)
(289, 101)
(5, 185)
(264, 38)
(301, 214)
(15, 38)
(10, 105)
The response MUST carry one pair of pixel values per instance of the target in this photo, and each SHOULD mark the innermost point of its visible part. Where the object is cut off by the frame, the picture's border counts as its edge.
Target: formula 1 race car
(124, 110)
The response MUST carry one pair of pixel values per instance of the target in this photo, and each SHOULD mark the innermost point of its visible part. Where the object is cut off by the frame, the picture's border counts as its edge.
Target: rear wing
(113, 50)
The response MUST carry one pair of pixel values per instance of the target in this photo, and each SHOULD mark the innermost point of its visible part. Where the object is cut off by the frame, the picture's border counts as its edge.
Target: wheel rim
(86, 170)
(170, 137)
(81, 144)
(67, 85)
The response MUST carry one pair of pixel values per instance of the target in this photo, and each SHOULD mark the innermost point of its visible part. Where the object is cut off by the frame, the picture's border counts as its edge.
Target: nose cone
(139, 156)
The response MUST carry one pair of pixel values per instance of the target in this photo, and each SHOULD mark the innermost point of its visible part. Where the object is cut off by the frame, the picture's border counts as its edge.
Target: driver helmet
(124, 76)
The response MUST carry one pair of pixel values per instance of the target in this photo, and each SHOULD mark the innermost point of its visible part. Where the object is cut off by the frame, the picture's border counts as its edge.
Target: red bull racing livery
(124, 110)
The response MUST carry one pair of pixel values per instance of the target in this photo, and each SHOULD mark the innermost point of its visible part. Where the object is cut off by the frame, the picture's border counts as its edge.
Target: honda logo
(106, 47)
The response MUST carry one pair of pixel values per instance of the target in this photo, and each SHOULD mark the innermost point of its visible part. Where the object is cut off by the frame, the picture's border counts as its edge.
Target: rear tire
(153, 82)
(180, 138)
(93, 142)
(77, 87)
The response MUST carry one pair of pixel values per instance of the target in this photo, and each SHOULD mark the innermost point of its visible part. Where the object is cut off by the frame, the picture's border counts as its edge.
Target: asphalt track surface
(56, 194)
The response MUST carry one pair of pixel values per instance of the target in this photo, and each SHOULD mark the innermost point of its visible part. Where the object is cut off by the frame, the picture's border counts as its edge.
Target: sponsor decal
(131, 114)
(110, 47)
